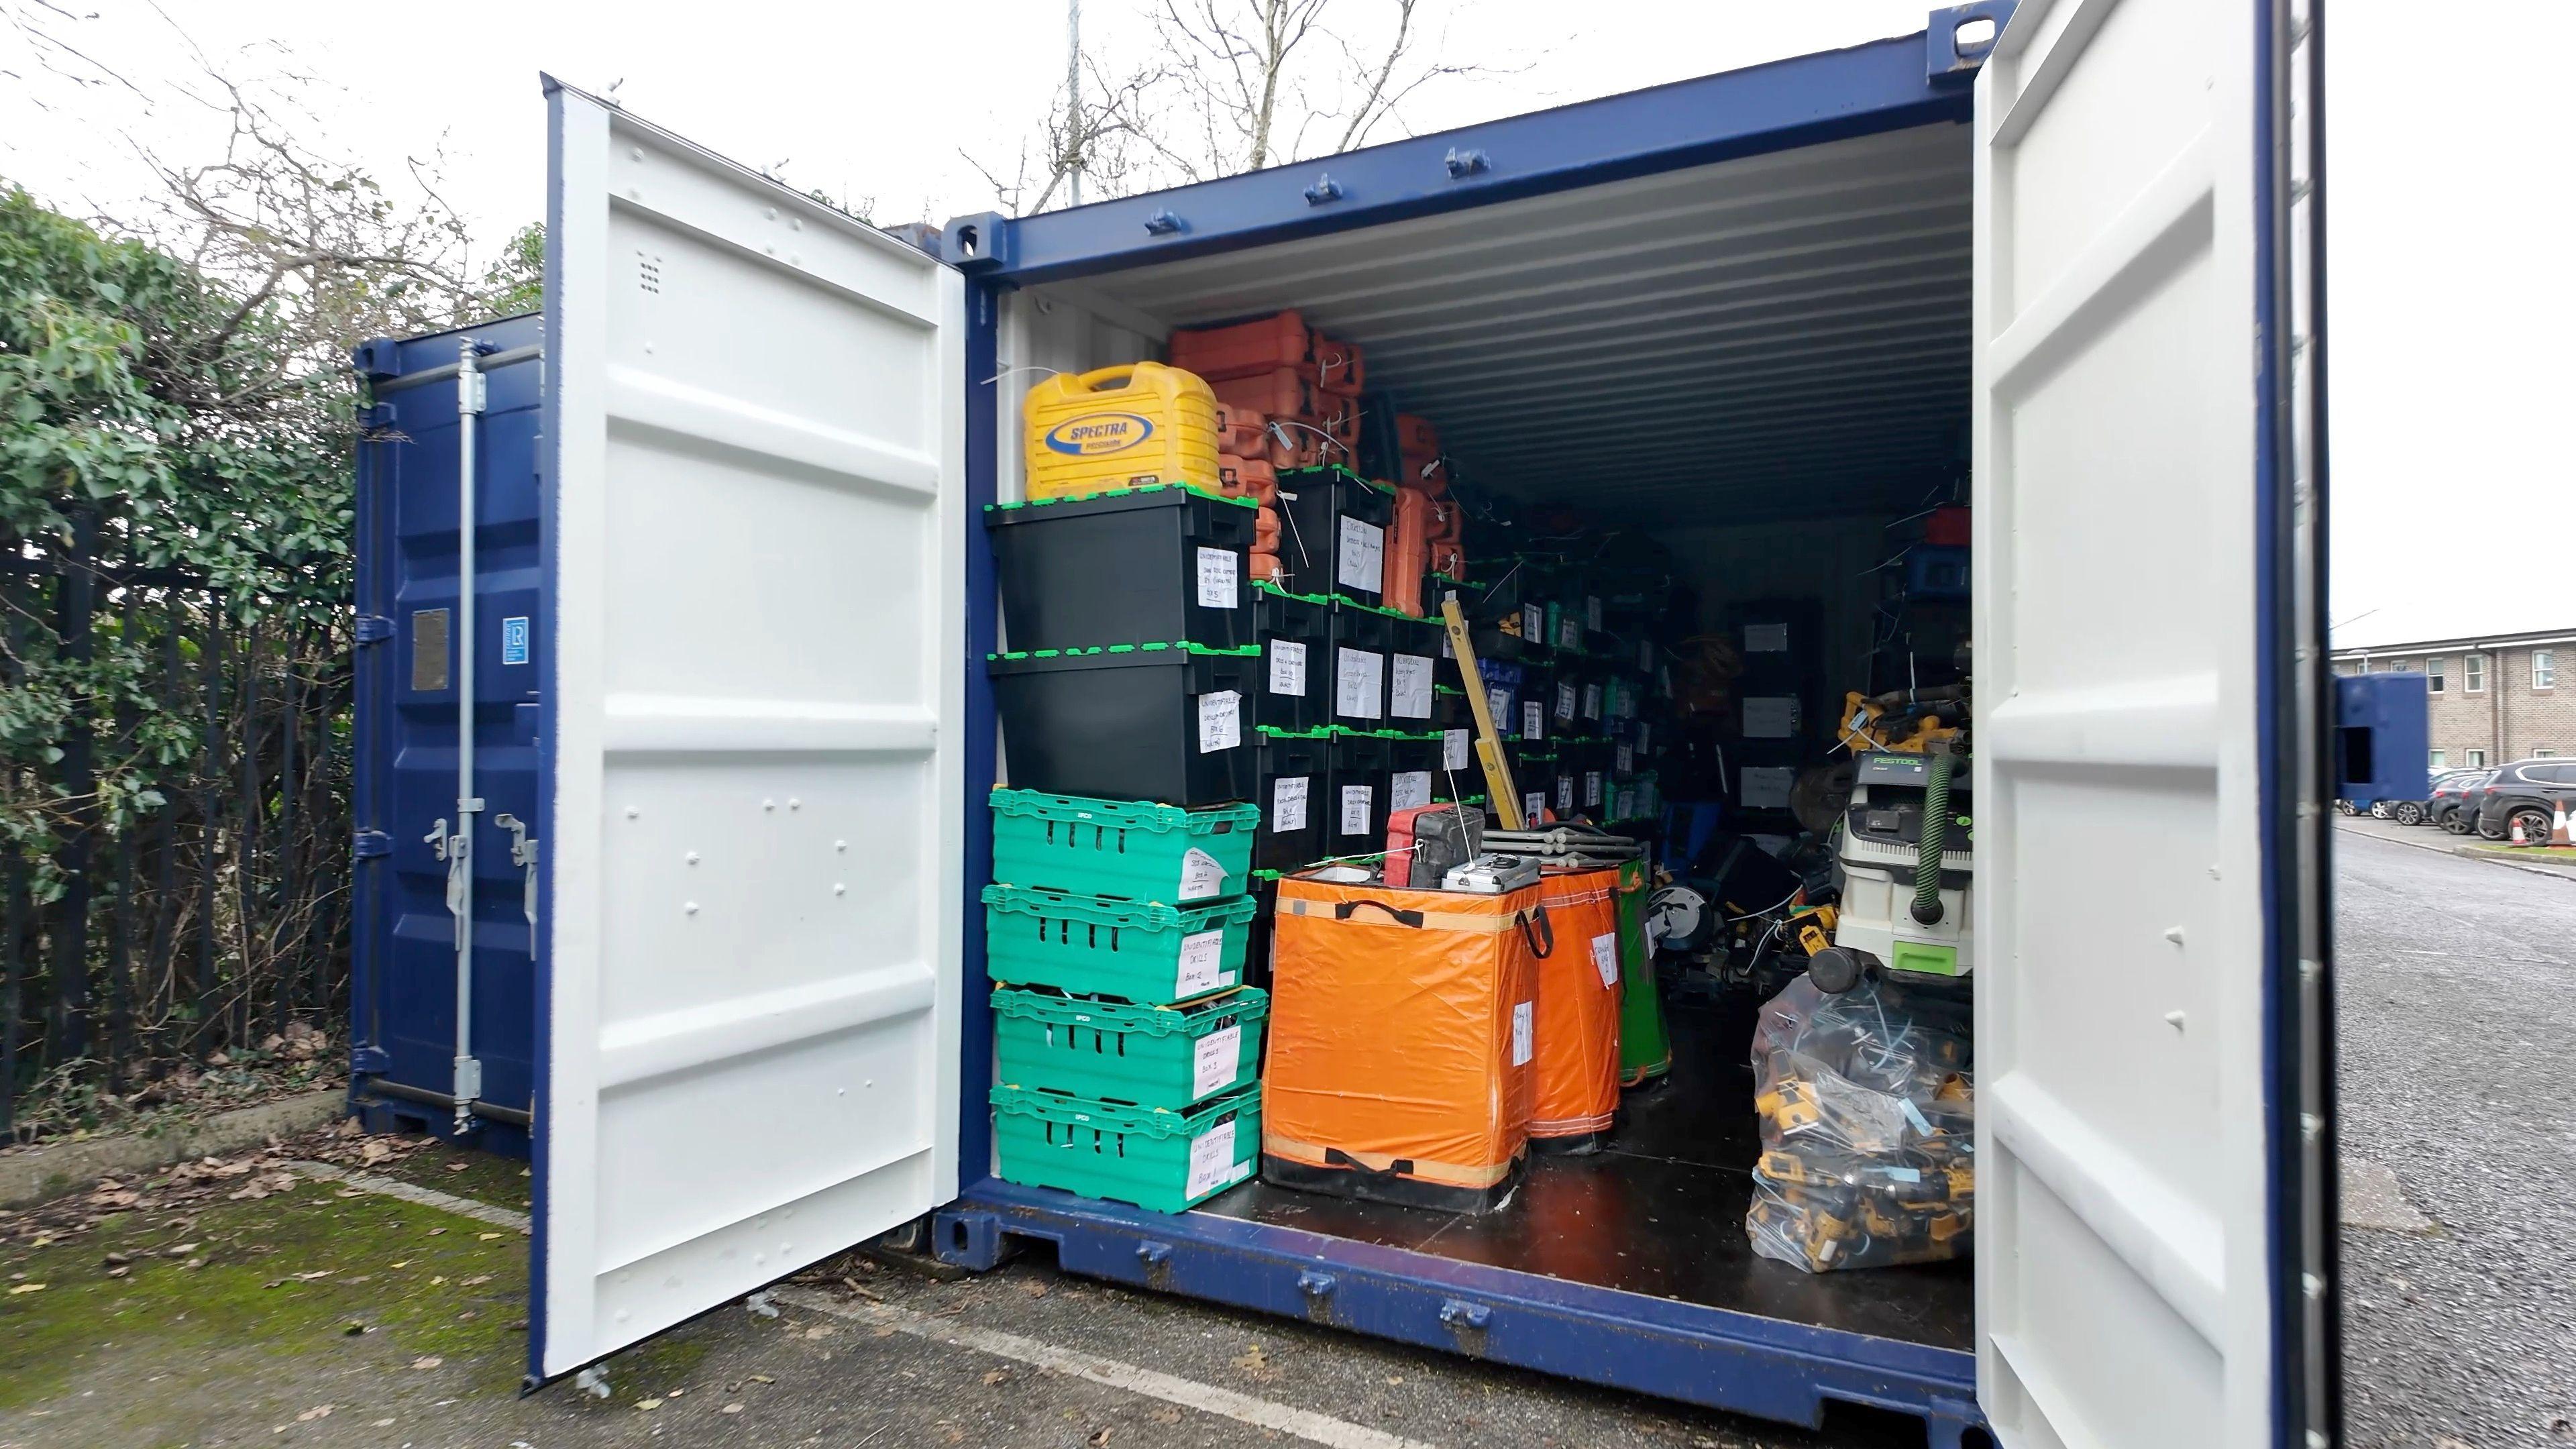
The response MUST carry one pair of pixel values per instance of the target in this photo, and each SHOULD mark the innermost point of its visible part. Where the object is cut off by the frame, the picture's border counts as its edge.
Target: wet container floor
(1659, 1211)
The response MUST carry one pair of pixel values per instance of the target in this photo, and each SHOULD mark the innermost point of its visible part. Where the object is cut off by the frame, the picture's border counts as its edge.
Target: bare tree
(1232, 86)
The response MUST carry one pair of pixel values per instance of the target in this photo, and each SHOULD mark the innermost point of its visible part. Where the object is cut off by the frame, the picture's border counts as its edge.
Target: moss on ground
(486, 1178)
(288, 1274)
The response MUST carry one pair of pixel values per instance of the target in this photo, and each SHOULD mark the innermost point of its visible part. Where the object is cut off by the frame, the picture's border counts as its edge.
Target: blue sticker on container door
(514, 640)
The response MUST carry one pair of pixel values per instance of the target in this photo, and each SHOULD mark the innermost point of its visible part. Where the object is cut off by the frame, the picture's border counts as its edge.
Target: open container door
(2149, 1050)
(754, 494)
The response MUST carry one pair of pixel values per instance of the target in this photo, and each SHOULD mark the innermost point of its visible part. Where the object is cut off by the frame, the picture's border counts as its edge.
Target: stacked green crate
(1127, 1045)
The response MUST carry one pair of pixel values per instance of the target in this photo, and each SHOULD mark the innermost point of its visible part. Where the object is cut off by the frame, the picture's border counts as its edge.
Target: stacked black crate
(1779, 712)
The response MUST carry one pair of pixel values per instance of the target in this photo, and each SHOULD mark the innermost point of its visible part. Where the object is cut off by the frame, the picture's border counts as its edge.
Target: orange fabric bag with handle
(1575, 1096)
(1402, 1025)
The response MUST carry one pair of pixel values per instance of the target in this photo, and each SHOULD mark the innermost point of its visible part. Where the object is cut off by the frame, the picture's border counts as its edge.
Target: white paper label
(1356, 800)
(1287, 666)
(1770, 716)
(1592, 701)
(1521, 1043)
(1288, 802)
(1201, 876)
(1212, 1161)
(1202, 952)
(1534, 623)
(1408, 686)
(1765, 638)
(1362, 560)
(1605, 959)
(1454, 748)
(1220, 720)
(1533, 719)
(1624, 807)
(1627, 758)
(1533, 805)
(1569, 631)
(1359, 677)
(1220, 578)
(1565, 701)
(1215, 1060)
(1564, 793)
(1904, 1174)
(1591, 613)
(1591, 788)
(1498, 703)
(1765, 787)
(1411, 788)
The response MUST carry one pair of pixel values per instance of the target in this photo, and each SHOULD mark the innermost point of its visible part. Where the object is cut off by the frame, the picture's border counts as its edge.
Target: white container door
(750, 988)
(2138, 586)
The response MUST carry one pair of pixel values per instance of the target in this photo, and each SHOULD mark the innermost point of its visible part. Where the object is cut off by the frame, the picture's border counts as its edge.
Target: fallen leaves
(730, 1409)
(1165, 1415)
(648, 1405)
(19, 1288)
(318, 1411)
(1255, 1362)
(427, 1361)
(1034, 1287)
(997, 1376)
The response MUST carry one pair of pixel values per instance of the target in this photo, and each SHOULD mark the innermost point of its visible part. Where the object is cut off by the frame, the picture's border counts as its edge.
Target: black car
(2420, 812)
(2454, 806)
(2527, 793)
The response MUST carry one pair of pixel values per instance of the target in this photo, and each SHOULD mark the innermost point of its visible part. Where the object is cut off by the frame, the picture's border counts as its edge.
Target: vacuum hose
(1936, 829)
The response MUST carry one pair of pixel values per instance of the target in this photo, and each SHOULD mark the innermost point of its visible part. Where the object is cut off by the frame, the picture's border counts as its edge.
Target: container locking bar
(470, 394)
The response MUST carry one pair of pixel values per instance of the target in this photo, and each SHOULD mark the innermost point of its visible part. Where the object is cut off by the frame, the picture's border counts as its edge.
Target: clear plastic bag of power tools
(1867, 1113)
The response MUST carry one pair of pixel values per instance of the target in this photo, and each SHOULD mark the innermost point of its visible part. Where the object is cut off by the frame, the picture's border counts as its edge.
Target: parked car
(2526, 793)
(2420, 812)
(2454, 807)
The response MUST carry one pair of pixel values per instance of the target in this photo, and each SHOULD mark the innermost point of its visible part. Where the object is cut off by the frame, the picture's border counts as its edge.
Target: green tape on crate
(1136, 951)
(1151, 1056)
(1154, 1158)
(1184, 486)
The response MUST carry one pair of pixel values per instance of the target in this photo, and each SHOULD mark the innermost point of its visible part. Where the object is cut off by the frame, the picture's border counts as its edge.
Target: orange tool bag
(1576, 1094)
(1408, 552)
(1401, 1030)
(1248, 477)
(1242, 432)
(1279, 393)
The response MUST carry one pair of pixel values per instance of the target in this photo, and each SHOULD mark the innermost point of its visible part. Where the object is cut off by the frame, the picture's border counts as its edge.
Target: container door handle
(523, 854)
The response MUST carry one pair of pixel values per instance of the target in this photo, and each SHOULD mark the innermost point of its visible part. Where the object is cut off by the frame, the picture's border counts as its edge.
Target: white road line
(1188, 1393)
(481, 1212)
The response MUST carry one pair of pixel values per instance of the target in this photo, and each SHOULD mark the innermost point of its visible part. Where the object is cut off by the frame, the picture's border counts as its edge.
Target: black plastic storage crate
(1413, 671)
(1295, 633)
(1458, 776)
(1332, 533)
(1354, 819)
(1164, 561)
(1294, 767)
(1534, 775)
(1356, 689)
(1165, 722)
(1413, 769)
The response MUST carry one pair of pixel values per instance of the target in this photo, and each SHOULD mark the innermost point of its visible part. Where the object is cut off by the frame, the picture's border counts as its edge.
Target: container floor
(1659, 1211)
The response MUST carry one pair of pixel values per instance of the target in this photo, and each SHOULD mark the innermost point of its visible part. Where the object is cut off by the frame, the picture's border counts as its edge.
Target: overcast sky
(2452, 292)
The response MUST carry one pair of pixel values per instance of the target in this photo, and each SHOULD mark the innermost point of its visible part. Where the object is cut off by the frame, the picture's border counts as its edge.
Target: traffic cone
(2558, 834)
(2517, 833)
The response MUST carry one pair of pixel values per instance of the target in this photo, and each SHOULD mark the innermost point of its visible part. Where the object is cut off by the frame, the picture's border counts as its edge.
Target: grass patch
(284, 1276)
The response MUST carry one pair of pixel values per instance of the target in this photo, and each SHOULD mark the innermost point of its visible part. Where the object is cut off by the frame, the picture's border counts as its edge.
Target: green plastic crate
(1134, 850)
(1151, 1056)
(1153, 1157)
(1136, 951)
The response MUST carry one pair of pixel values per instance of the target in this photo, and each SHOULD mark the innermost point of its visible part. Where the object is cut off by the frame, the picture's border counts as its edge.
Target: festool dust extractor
(1903, 851)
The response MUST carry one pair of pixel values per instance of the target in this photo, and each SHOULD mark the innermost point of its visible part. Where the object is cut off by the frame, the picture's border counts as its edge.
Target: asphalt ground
(2455, 993)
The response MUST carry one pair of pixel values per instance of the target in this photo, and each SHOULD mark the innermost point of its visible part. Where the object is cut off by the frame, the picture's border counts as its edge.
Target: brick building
(2494, 698)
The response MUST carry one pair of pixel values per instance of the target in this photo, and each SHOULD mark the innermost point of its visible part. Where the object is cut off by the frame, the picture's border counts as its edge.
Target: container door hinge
(367, 1061)
(469, 1088)
(368, 844)
(374, 628)
(523, 854)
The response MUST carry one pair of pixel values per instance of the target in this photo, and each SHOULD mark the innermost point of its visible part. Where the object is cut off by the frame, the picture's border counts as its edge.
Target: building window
(2544, 668)
(2434, 669)
(2441, 760)
(2473, 675)
(2477, 759)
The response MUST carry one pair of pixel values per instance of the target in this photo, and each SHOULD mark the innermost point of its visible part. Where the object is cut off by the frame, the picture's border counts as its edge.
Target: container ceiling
(1775, 336)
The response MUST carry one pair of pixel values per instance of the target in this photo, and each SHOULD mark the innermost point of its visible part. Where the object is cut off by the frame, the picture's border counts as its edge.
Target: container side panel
(755, 862)
(2123, 1282)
